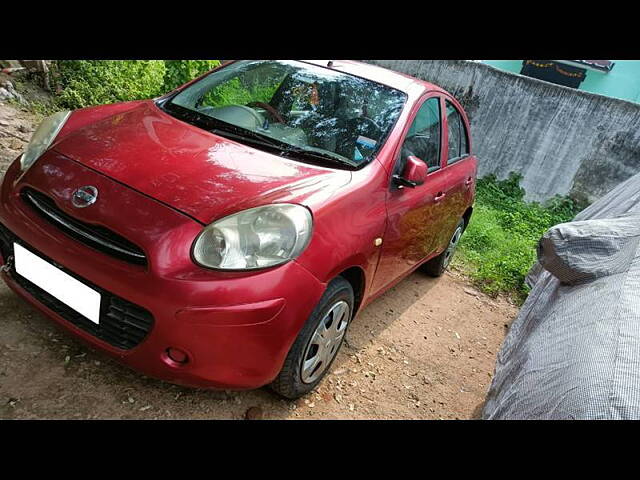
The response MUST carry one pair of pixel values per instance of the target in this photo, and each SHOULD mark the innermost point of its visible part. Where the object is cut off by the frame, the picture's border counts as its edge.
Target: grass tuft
(498, 248)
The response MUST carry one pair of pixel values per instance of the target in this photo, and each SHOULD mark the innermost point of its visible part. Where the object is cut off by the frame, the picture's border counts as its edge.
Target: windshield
(294, 106)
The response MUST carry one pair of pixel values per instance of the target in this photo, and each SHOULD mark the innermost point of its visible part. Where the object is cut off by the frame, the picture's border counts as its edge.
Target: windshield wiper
(327, 157)
(239, 133)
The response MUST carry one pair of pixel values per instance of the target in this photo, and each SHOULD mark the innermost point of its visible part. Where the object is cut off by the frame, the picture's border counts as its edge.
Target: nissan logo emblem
(84, 196)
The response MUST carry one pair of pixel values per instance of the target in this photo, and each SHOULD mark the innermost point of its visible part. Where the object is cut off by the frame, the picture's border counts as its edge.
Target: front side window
(295, 107)
(458, 146)
(423, 138)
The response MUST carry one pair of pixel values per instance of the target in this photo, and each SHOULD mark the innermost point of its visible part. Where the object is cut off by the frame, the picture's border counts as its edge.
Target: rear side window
(458, 145)
(423, 138)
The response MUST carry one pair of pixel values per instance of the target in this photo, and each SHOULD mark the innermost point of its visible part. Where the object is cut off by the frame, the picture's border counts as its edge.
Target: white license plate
(54, 281)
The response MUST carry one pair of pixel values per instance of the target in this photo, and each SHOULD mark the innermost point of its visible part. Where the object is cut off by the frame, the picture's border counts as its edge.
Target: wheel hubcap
(448, 254)
(325, 341)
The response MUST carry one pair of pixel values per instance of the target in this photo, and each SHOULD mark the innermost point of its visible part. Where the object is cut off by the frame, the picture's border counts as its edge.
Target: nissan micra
(226, 234)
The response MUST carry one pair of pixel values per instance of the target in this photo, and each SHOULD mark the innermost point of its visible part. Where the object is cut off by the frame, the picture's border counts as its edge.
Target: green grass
(499, 246)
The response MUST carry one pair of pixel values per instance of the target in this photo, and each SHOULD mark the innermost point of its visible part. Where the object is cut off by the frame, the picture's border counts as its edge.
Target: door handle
(468, 182)
(439, 196)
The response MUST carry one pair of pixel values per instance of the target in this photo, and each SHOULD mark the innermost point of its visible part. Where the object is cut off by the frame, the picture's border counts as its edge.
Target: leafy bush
(92, 82)
(179, 72)
(498, 248)
(82, 83)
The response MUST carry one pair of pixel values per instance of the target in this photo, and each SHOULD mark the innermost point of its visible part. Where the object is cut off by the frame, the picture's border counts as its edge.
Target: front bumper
(236, 328)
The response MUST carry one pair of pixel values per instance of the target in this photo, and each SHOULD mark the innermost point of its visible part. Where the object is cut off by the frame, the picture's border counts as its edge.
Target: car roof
(393, 79)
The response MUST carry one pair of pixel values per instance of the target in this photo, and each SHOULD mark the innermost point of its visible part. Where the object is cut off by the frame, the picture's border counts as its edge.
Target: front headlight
(42, 138)
(256, 238)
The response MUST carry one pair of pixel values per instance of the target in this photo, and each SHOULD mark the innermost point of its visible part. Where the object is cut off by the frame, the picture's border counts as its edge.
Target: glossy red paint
(161, 180)
(200, 174)
(416, 170)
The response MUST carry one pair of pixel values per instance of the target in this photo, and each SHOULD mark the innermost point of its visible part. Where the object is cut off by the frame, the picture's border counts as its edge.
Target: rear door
(415, 215)
(458, 169)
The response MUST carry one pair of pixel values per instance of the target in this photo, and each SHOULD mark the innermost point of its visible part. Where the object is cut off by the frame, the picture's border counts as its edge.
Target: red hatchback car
(225, 235)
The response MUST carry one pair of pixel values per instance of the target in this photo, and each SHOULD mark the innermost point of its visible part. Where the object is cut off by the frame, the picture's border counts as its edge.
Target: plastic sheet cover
(573, 352)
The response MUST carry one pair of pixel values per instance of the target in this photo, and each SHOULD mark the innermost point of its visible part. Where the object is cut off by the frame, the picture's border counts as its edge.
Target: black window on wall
(554, 72)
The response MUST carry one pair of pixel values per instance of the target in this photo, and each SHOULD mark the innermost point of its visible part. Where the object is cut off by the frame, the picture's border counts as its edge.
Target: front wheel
(437, 265)
(318, 342)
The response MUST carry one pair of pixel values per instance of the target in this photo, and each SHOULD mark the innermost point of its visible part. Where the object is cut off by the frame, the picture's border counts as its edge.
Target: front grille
(122, 323)
(95, 236)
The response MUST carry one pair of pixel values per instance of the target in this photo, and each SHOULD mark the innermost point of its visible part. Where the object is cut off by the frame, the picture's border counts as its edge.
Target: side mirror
(414, 174)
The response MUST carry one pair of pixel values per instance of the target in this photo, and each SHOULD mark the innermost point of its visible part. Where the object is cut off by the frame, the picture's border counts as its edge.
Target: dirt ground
(424, 350)
(16, 127)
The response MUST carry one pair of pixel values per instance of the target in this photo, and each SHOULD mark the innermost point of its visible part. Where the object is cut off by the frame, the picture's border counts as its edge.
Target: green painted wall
(623, 81)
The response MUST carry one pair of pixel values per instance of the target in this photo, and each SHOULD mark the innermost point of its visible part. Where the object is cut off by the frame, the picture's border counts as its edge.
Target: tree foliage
(82, 83)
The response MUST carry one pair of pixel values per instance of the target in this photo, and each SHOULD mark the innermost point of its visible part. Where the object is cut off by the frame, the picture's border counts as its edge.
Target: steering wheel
(272, 111)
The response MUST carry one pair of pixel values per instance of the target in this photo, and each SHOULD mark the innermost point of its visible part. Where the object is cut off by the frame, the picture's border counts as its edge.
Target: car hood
(199, 173)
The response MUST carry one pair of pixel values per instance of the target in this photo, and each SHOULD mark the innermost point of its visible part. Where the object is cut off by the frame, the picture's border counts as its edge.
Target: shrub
(92, 82)
(498, 248)
(179, 72)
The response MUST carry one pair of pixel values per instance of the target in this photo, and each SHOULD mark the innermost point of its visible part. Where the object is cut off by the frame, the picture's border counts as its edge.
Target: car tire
(437, 265)
(328, 321)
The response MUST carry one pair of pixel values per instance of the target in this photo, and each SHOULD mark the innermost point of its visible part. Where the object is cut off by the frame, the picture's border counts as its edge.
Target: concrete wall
(563, 141)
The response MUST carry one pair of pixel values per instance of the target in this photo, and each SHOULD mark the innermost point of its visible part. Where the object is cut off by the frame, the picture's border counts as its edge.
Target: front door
(415, 215)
